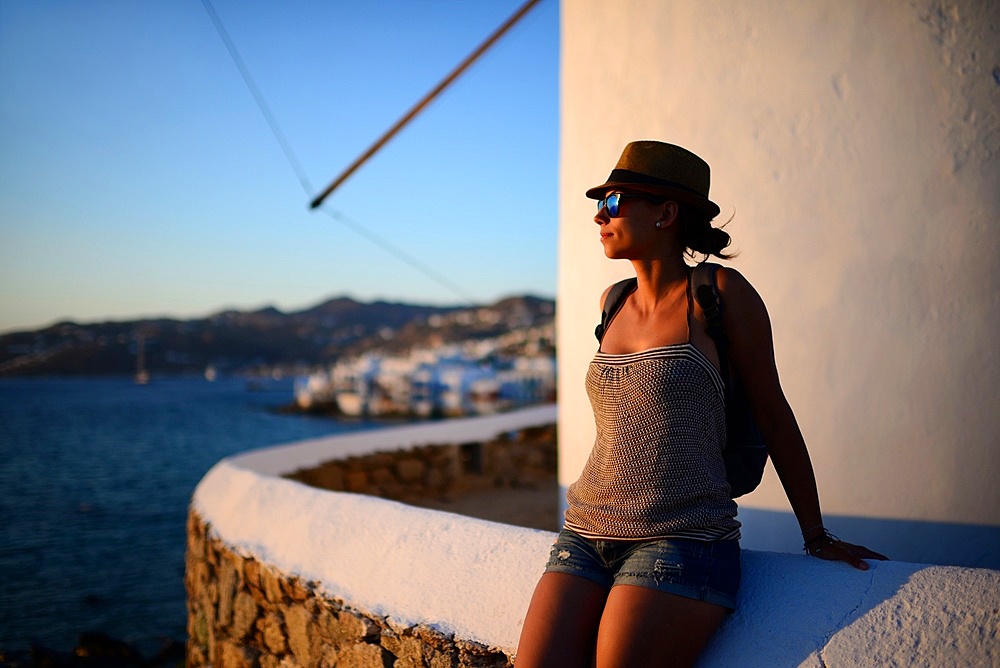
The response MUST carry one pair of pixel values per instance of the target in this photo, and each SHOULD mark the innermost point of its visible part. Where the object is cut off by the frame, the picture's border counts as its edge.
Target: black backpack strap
(744, 453)
(707, 294)
(617, 295)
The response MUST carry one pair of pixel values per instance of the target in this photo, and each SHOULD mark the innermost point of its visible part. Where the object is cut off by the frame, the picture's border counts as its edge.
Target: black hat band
(628, 176)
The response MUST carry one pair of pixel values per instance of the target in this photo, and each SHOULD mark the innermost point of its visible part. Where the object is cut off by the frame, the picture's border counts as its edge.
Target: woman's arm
(751, 349)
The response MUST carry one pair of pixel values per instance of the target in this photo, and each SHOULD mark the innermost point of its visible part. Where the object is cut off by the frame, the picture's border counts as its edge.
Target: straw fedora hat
(658, 168)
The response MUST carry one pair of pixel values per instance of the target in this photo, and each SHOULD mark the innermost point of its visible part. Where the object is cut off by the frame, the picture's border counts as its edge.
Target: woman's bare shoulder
(604, 295)
(730, 281)
(737, 293)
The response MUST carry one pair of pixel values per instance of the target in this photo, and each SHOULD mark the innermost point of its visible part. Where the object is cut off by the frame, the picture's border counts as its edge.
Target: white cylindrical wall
(856, 147)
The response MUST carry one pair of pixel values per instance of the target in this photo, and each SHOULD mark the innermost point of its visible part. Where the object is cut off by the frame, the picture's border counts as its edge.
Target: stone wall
(244, 614)
(521, 458)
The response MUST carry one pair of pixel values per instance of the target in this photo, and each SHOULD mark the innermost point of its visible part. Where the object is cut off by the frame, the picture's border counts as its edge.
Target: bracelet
(818, 526)
(822, 538)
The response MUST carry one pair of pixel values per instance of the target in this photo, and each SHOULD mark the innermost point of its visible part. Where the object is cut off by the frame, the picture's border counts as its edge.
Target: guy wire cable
(257, 96)
(296, 166)
(400, 254)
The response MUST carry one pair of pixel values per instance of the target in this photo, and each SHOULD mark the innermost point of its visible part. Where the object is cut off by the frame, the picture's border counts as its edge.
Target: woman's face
(632, 233)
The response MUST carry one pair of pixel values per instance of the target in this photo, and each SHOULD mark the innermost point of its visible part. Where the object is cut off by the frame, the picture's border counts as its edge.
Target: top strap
(613, 303)
(707, 294)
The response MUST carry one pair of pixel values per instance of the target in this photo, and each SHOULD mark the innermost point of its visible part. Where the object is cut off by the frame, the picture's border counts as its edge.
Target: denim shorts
(702, 570)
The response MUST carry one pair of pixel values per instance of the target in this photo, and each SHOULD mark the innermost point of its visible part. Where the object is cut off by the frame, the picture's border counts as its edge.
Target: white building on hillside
(460, 379)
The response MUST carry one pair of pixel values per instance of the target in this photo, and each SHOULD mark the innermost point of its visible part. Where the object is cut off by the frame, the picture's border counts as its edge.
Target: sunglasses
(612, 202)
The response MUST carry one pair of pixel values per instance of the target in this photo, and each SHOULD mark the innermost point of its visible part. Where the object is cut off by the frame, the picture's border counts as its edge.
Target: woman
(647, 565)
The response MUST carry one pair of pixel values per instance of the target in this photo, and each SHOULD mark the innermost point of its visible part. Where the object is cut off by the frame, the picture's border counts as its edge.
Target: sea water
(95, 480)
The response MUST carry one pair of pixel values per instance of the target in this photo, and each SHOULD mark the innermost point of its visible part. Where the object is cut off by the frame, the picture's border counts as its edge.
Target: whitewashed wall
(857, 145)
(429, 583)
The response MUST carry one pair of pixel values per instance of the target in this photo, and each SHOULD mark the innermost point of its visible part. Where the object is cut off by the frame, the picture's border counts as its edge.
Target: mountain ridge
(261, 340)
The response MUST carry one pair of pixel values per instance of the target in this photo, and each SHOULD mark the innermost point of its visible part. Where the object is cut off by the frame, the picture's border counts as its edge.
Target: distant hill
(261, 340)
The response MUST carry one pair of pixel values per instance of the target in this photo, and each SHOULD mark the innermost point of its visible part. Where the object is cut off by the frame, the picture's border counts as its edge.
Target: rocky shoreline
(94, 648)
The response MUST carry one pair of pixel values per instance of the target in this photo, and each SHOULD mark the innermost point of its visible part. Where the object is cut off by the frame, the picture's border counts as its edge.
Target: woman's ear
(668, 214)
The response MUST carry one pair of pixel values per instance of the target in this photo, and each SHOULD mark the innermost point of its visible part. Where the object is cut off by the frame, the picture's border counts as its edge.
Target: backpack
(745, 453)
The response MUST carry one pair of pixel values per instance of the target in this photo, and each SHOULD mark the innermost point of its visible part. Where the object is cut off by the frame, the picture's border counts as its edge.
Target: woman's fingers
(852, 554)
(832, 549)
(863, 552)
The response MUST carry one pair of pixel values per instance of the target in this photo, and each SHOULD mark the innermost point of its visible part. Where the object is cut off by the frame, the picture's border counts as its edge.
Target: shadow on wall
(944, 543)
(773, 587)
(821, 614)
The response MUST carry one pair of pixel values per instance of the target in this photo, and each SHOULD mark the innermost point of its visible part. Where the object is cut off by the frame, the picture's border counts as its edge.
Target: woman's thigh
(645, 627)
(560, 628)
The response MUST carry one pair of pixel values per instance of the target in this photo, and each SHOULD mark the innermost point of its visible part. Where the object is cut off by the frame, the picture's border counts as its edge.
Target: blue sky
(138, 177)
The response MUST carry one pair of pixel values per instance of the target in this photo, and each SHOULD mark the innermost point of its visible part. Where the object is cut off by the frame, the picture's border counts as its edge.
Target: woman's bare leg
(645, 627)
(560, 628)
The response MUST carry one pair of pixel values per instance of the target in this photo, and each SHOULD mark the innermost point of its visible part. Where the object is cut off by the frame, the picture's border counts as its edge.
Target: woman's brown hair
(698, 235)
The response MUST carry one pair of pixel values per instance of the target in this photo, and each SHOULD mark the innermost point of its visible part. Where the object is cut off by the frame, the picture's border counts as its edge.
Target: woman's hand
(827, 546)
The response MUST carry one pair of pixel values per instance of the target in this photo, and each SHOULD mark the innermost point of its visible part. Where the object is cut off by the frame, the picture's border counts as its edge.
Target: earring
(659, 223)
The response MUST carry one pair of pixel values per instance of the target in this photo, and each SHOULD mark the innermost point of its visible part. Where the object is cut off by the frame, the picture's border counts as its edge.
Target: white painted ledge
(283, 459)
(474, 578)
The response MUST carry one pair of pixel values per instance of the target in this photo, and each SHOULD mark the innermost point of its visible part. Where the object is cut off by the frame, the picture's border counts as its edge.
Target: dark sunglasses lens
(613, 205)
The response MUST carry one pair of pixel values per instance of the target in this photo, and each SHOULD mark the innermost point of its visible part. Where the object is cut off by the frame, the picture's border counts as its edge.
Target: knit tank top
(656, 469)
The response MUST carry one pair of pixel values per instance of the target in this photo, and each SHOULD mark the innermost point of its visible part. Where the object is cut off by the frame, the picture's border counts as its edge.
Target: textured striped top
(656, 469)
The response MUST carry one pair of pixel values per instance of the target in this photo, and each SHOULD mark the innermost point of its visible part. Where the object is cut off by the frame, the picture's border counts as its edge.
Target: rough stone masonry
(245, 614)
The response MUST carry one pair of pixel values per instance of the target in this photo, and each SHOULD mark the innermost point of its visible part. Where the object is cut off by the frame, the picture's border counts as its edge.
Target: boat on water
(141, 373)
